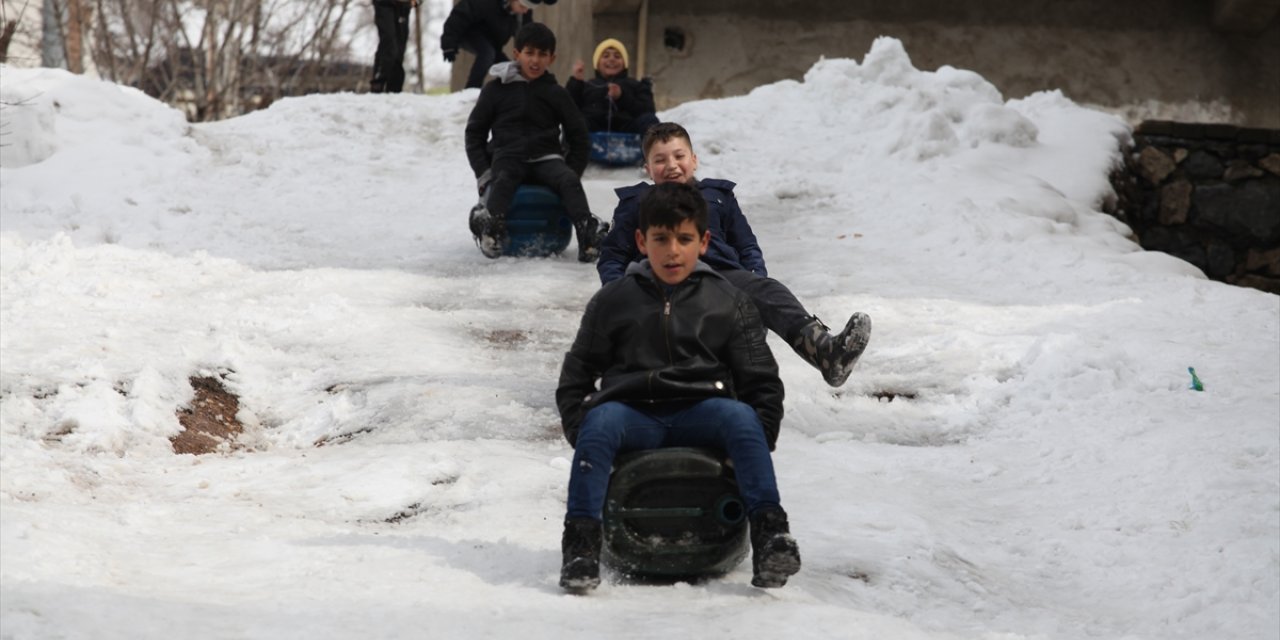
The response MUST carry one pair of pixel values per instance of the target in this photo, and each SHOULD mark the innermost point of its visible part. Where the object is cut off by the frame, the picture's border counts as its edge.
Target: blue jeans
(718, 423)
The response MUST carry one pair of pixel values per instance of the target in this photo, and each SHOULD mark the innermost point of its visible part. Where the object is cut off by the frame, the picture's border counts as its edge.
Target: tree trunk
(417, 45)
(75, 36)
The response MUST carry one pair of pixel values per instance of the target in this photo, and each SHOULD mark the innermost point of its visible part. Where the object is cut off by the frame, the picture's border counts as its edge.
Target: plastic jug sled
(674, 512)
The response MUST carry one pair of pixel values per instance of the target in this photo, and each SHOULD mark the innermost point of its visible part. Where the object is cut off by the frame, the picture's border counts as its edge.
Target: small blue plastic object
(537, 223)
(1195, 385)
(615, 149)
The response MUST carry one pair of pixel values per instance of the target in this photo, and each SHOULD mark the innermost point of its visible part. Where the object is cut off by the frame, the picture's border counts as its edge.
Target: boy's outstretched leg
(580, 550)
(775, 556)
(834, 355)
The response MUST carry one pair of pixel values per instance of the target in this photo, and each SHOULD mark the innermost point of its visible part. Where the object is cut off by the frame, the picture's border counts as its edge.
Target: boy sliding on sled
(733, 252)
(513, 133)
(682, 362)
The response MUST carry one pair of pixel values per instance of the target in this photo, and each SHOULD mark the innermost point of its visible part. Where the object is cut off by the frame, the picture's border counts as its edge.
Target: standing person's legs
(395, 80)
(486, 56)
(557, 175)
(384, 59)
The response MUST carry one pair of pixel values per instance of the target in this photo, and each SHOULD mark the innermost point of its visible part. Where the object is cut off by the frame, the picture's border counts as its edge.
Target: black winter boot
(775, 556)
(489, 234)
(580, 547)
(590, 236)
(835, 355)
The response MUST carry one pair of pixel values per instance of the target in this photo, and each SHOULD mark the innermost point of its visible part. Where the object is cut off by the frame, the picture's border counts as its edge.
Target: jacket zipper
(666, 328)
(666, 335)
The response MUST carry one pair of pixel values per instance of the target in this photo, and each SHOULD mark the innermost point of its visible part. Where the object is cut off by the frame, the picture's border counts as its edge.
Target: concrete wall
(1101, 52)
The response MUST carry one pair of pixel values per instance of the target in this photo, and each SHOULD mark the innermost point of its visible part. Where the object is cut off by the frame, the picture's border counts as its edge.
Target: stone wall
(1209, 194)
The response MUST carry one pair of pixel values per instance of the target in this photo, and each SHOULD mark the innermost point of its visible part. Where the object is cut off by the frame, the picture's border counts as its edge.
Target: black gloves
(450, 55)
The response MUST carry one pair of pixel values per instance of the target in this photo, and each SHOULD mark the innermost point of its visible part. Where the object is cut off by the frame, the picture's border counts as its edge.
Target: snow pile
(1017, 455)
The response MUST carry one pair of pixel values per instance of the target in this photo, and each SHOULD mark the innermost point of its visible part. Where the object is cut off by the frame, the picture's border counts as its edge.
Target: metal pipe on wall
(642, 38)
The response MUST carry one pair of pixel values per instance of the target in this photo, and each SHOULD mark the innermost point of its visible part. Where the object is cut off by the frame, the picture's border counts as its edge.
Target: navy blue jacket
(733, 244)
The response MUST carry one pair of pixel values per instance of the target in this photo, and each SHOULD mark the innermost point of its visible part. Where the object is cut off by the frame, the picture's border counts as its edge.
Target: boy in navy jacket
(733, 251)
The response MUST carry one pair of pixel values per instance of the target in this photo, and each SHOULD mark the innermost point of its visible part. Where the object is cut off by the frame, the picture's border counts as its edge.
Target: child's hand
(579, 69)
(614, 91)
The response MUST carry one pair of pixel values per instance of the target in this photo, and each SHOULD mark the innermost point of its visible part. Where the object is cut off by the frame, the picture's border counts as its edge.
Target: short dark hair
(536, 35)
(669, 204)
(662, 132)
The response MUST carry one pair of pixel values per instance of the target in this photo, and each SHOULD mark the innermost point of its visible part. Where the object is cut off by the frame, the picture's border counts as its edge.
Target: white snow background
(1044, 471)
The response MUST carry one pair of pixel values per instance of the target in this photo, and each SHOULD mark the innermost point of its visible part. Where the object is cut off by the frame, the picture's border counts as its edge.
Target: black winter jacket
(703, 340)
(733, 243)
(491, 18)
(592, 96)
(518, 119)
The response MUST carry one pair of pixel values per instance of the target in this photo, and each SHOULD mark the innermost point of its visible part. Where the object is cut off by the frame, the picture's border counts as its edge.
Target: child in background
(612, 101)
(483, 27)
(734, 252)
(682, 361)
(513, 134)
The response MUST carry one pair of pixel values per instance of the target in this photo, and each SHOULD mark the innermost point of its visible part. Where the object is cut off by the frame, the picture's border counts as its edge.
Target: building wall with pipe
(1118, 55)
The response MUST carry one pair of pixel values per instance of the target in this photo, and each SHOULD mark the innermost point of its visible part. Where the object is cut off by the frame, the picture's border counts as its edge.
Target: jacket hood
(507, 72)
(643, 269)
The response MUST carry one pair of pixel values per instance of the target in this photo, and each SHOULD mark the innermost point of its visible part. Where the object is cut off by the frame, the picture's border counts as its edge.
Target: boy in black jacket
(682, 362)
(513, 134)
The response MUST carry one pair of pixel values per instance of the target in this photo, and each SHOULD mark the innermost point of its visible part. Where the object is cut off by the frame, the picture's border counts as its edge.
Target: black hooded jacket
(592, 96)
(703, 339)
(491, 18)
(518, 119)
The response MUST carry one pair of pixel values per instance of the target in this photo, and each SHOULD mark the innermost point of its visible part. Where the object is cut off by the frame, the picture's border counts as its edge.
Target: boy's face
(673, 253)
(672, 160)
(611, 63)
(533, 61)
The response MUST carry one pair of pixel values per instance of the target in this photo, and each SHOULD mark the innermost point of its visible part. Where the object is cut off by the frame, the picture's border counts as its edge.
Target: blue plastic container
(616, 149)
(537, 223)
(674, 512)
